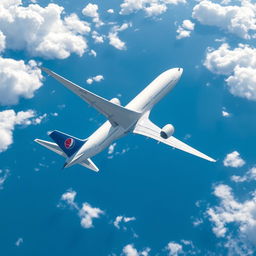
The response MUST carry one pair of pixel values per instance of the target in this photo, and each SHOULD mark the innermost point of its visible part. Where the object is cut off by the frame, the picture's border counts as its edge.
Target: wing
(116, 114)
(146, 128)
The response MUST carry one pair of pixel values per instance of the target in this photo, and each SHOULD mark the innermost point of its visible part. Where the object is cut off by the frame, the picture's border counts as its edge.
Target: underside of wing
(146, 128)
(116, 114)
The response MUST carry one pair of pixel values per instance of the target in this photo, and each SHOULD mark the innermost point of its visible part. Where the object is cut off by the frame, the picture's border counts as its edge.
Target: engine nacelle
(116, 101)
(167, 131)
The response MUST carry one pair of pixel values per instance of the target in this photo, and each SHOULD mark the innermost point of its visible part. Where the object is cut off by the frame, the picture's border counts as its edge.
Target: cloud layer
(238, 65)
(150, 7)
(240, 214)
(17, 80)
(8, 120)
(42, 31)
(86, 213)
(238, 20)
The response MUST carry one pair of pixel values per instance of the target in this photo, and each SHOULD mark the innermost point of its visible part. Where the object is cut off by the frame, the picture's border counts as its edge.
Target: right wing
(117, 115)
(146, 128)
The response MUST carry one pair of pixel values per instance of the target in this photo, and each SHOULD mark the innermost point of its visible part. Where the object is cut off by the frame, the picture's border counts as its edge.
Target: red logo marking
(69, 143)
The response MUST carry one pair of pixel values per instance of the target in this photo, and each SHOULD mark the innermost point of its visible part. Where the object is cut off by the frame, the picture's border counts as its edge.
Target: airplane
(122, 120)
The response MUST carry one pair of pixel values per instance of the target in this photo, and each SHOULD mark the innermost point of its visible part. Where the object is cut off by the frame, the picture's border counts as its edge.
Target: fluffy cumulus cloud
(17, 80)
(174, 249)
(42, 31)
(239, 20)
(121, 220)
(114, 39)
(2, 42)
(97, 78)
(248, 176)
(8, 120)
(91, 10)
(234, 220)
(233, 160)
(86, 213)
(130, 250)
(185, 29)
(225, 113)
(150, 7)
(69, 197)
(238, 65)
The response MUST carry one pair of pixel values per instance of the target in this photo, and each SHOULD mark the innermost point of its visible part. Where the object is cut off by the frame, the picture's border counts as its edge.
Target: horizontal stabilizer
(67, 143)
(117, 115)
(146, 128)
(52, 146)
(88, 163)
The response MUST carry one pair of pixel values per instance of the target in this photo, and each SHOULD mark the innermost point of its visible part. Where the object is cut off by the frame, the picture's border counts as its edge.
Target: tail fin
(67, 143)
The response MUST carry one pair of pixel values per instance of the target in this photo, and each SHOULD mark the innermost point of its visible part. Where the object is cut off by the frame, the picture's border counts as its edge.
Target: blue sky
(147, 199)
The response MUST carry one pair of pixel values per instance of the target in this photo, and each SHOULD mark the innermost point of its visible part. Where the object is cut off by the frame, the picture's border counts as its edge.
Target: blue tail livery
(67, 143)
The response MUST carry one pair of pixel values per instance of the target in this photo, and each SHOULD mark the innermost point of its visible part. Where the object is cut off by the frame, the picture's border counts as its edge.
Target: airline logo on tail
(69, 143)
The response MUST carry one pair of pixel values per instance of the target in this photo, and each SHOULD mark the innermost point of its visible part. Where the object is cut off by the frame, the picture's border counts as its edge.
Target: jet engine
(167, 131)
(116, 101)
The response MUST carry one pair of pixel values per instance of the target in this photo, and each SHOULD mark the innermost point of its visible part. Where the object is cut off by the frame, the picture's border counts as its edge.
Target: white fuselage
(142, 103)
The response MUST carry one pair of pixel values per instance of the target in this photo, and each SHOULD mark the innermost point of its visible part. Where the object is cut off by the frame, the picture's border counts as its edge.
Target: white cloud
(98, 39)
(19, 241)
(42, 31)
(130, 250)
(248, 176)
(110, 11)
(91, 10)
(188, 24)
(240, 235)
(238, 20)
(39, 119)
(114, 39)
(76, 25)
(121, 219)
(18, 79)
(93, 53)
(97, 78)
(238, 64)
(150, 7)
(225, 113)
(69, 198)
(111, 148)
(233, 160)
(8, 120)
(174, 249)
(89, 81)
(87, 213)
(4, 174)
(2, 42)
(185, 29)
(155, 9)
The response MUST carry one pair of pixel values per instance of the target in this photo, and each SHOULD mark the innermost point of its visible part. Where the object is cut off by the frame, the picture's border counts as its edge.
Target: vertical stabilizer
(67, 143)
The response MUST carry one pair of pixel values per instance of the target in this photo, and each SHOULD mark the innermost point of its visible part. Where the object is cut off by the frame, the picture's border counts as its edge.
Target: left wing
(117, 115)
(146, 128)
